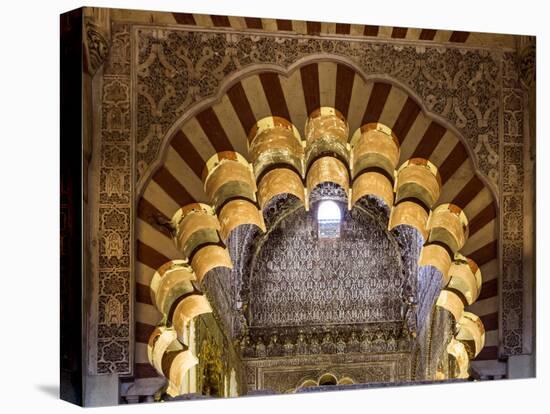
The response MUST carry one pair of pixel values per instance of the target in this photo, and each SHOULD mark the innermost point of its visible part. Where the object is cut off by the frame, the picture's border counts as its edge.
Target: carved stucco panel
(114, 335)
(177, 68)
(512, 202)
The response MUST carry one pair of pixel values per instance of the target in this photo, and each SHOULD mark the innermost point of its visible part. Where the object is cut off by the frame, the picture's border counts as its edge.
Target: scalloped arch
(162, 162)
(255, 69)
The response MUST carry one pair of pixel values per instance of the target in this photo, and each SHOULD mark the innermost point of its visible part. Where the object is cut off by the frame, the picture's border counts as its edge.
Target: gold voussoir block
(411, 214)
(418, 178)
(230, 179)
(451, 301)
(239, 212)
(165, 347)
(195, 226)
(275, 141)
(326, 121)
(457, 350)
(280, 181)
(226, 175)
(448, 224)
(278, 157)
(326, 131)
(208, 258)
(465, 277)
(170, 281)
(471, 331)
(326, 146)
(327, 169)
(374, 146)
(176, 365)
(161, 341)
(438, 257)
(159, 274)
(187, 309)
(374, 184)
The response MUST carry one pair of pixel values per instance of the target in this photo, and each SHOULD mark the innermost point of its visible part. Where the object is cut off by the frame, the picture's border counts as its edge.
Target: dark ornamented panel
(217, 288)
(298, 279)
(376, 207)
(96, 45)
(417, 281)
(223, 286)
(387, 337)
(429, 287)
(431, 344)
(278, 207)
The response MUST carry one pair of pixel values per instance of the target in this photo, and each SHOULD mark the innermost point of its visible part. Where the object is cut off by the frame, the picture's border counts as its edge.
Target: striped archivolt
(280, 162)
(239, 192)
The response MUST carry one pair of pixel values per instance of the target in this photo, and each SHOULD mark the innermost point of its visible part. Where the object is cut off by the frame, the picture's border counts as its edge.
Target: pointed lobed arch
(222, 123)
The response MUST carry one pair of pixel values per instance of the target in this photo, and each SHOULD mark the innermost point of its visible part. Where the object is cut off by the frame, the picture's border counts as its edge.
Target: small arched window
(329, 217)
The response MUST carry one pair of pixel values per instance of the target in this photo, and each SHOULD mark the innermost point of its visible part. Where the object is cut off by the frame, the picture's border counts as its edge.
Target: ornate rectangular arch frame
(119, 158)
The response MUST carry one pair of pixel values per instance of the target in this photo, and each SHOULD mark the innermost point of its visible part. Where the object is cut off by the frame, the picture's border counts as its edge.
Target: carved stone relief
(177, 68)
(114, 296)
(96, 44)
(512, 206)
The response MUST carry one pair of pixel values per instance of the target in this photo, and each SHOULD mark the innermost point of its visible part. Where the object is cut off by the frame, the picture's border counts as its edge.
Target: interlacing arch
(282, 163)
